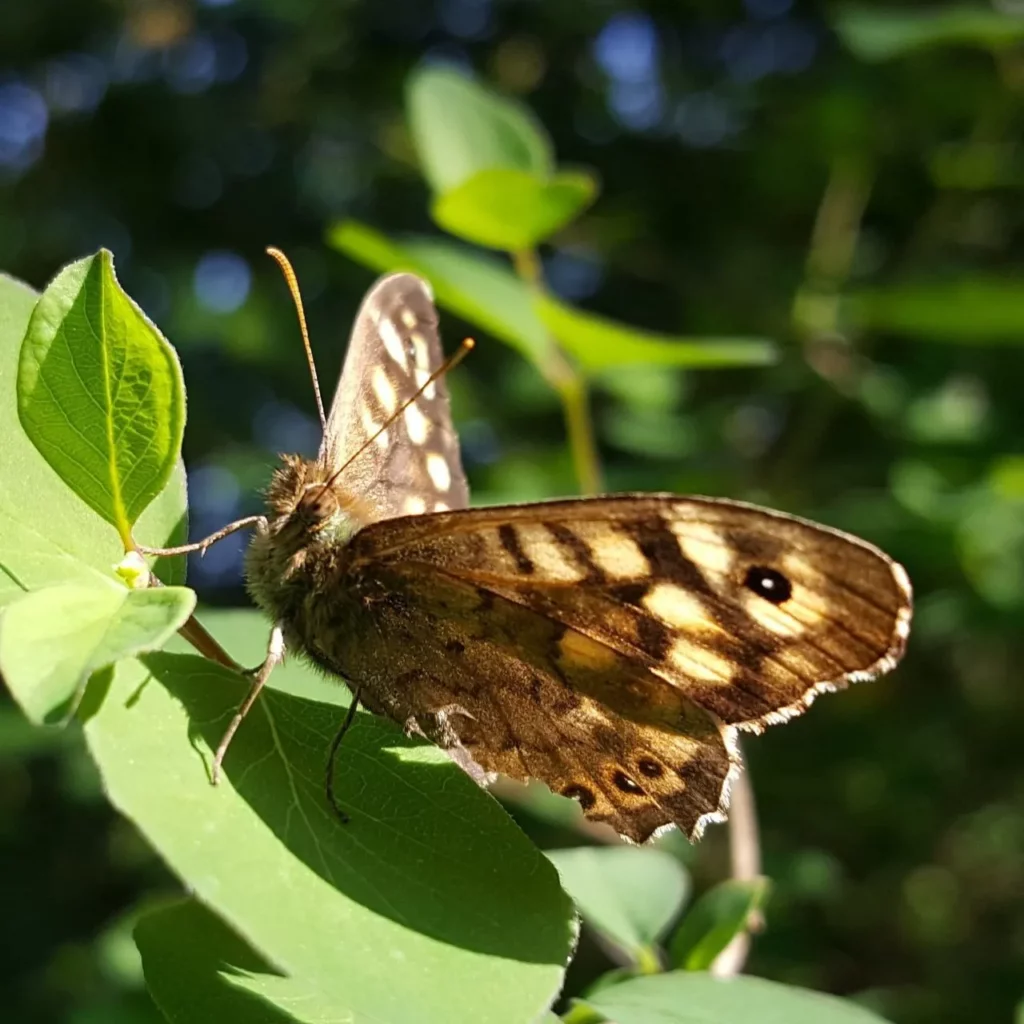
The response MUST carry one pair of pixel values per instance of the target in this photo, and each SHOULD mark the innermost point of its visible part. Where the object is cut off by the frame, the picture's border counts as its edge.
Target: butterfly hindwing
(514, 692)
(659, 616)
(413, 466)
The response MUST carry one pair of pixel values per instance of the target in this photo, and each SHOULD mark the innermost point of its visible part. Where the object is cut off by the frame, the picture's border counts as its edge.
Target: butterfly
(609, 646)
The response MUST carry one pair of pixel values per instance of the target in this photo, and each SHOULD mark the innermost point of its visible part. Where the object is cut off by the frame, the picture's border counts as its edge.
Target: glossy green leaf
(511, 209)
(429, 881)
(53, 639)
(684, 997)
(974, 310)
(100, 392)
(628, 895)
(597, 342)
(473, 285)
(47, 534)
(880, 33)
(198, 969)
(712, 922)
(460, 128)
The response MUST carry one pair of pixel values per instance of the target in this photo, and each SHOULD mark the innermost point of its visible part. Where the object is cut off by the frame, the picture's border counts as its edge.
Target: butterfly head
(309, 505)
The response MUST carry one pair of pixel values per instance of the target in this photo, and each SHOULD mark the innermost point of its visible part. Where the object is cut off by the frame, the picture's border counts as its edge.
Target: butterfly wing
(662, 615)
(413, 466)
(510, 691)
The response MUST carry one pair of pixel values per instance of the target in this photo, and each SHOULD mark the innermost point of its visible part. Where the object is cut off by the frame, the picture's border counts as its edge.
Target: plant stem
(573, 391)
(745, 857)
(816, 310)
(571, 386)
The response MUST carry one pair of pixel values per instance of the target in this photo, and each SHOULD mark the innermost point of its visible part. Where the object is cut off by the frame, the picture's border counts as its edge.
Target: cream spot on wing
(422, 376)
(422, 364)
(393, 343)
(677, 608)
(371, 426)
(700, 663)
(438, 471)
(552, 561)
(384, 390)
(419, 343)
(440, 506)
(704, 545)
(414, 505)
(619, 556)
(408, 317)
(580, 650)
(772, 617)
(366, 418)
(416, 424)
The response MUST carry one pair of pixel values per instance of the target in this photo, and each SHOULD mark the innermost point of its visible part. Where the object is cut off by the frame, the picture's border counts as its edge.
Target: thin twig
(198, 636)
(745, 862)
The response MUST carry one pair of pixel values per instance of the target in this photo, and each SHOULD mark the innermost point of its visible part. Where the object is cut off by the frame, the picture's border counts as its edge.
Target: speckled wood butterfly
(609, 646)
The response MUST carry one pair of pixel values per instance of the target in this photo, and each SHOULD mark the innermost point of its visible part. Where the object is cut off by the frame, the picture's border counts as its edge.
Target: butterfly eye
(769, 584)
(316, 505)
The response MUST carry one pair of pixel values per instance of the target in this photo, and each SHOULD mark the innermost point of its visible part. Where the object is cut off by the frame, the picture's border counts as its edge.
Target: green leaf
(627, 895)
(510, 209)
(100, 393)
(459, 128)
(877, 33)
(47, 534)
(429, 882)
(713, 921)
(472, 285)
(682, 997)
(198, 969)
(973, 310)
(598, 343)
(52, 640)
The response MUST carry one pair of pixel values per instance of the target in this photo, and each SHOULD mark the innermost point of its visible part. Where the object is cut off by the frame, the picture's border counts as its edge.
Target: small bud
(133, 571)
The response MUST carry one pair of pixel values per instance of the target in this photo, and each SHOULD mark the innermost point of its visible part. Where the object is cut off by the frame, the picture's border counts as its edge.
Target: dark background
(758, 178)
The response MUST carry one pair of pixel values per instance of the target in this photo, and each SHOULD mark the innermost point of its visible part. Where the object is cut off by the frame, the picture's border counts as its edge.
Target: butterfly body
(608, 646)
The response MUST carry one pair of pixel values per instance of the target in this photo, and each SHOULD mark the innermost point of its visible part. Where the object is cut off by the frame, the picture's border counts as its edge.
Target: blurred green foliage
(853, 194)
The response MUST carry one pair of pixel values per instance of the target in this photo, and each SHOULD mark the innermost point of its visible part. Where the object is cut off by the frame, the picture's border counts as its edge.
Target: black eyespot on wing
(769, 584)
(455, 646)
(625, 783)
(581, 793)
(650, 768)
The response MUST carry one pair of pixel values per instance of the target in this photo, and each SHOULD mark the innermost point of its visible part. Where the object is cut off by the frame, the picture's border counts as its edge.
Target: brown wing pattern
(414, 465)
(531, 698)
(683, 586)
(658, 615)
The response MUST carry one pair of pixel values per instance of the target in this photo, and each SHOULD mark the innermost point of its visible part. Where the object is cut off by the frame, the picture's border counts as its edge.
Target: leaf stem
(745, 858)
(571, 386)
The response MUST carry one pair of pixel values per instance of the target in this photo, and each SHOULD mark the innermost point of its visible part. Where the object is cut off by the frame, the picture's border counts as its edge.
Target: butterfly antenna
(468, 344)
(293, 287)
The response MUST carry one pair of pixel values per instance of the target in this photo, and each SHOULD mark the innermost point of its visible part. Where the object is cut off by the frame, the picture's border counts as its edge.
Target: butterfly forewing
(413, 466)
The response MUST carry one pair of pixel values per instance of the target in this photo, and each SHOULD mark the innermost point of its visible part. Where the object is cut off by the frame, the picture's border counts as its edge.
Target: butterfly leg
(259, 522)
(275, 654)
(332, 756)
